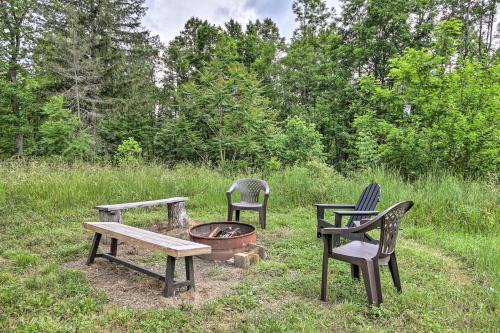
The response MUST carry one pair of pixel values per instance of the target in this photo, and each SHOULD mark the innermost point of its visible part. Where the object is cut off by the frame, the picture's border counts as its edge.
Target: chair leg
(369, 280)
(393, 267)
(93, 248)
(355, 272)
(230, 213)
(237, 214)
(262, 218)
(378, 286)
(324, 275)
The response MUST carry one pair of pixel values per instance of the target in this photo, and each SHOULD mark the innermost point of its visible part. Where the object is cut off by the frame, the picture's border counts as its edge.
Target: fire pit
(227, 238)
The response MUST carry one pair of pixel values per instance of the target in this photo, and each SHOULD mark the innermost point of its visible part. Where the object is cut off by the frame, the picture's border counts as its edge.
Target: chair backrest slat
(367, 201)
(250, 189)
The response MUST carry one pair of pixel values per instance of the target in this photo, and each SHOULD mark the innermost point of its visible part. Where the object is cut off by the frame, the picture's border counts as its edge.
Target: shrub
(129, 153)
(299, 142)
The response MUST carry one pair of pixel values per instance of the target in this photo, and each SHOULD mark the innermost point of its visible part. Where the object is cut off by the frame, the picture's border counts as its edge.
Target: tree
(312, 16)
(375, 31)
(226, 109)
(440, 111)
(106, 64)
(60, 133)
(17, 34)
(67, 56)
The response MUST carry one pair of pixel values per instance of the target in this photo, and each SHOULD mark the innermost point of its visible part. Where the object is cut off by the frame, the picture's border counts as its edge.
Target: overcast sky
(167, 17)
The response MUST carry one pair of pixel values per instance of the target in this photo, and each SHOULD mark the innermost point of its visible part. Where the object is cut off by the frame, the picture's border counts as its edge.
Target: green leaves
(129, 152)
(223, 116)
(444, 111)
(298, 143)
(60, 133)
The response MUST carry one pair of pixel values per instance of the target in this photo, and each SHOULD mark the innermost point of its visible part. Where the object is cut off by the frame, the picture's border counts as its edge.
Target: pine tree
(68, 58)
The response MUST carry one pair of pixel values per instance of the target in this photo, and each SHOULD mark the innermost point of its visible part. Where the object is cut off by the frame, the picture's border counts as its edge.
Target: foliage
(60, 133)
(430, 115)
(299, 142)
(129, 153)
(224, 113)
(404, 84)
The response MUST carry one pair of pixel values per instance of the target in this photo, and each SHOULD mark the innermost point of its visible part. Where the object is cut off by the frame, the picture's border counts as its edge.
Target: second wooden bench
(171, 246)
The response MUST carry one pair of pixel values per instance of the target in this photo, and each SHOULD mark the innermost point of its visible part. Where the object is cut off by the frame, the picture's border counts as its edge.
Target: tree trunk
(15, 105)
(20, 145)
(114, 216)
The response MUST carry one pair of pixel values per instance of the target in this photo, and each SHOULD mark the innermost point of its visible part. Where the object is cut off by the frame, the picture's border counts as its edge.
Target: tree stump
(177, 215)
(111, 216)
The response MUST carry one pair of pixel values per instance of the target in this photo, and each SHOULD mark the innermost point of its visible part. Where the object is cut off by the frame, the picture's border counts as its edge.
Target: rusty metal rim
(214, 238)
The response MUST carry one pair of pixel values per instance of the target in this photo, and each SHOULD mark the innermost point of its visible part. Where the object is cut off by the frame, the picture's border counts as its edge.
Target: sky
(166, 18)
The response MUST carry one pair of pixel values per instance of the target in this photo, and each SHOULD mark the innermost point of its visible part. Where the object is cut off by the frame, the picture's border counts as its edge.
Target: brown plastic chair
(366, 256)
(249, 198)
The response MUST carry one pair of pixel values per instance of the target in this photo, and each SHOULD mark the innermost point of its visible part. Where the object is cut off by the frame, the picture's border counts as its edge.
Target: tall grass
(445, 201)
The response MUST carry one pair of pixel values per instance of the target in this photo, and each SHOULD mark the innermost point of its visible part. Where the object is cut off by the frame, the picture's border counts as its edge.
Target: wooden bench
(177, 216)
(171, 246)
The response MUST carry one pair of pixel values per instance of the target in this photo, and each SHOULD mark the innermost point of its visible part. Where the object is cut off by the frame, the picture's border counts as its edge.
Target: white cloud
(166, 18)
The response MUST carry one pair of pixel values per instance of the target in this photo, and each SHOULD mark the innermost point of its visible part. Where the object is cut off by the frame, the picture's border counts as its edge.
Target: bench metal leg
(93, 248)
(169, 277)
(190, 272)
(114, 247)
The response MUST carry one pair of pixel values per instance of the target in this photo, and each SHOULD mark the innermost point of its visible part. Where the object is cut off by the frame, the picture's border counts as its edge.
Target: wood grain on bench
(151, 240)
(160, 202)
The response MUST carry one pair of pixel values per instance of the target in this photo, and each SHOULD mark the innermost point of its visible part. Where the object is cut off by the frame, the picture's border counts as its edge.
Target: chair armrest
(336, 231)
(356, 212)
(363, 221)
(367, 225)
(266, 189)
(232, 188)
(329, 206)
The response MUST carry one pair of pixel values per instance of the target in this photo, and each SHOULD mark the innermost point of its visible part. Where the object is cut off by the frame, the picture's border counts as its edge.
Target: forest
(408, 85)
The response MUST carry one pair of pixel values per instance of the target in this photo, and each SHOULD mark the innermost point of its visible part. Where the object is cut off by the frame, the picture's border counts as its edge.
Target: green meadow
(448, 252)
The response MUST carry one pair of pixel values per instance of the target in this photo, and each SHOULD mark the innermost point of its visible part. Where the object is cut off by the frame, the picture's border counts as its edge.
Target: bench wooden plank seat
(161, 202)
(171, 246)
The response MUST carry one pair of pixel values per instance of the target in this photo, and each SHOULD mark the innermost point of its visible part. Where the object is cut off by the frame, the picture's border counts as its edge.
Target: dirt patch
(127, 287)
(3, 261)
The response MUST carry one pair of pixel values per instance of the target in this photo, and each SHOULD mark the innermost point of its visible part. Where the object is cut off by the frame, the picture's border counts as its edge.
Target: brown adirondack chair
(249, 198)
(365, 207)
(365, 256)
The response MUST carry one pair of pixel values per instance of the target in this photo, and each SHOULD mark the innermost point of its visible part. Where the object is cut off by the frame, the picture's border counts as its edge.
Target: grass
(448, 253)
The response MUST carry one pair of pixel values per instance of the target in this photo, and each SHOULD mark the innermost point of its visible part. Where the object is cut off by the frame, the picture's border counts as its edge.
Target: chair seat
(356, 249)
(243, 204)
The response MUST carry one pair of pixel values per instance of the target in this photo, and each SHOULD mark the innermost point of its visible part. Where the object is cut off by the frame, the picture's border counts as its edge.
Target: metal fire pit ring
(223, 248)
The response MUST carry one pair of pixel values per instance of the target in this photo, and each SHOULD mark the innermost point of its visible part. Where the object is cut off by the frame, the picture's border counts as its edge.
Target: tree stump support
(177, 215)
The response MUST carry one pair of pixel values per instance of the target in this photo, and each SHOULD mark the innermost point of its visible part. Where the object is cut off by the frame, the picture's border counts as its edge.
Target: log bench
(171, 246)
(177, 216)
